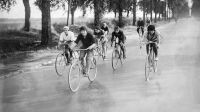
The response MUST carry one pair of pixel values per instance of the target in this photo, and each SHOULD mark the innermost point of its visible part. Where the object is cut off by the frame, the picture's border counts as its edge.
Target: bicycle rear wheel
(60, 64)
(74, 77)
(115, 59)
(92, 70)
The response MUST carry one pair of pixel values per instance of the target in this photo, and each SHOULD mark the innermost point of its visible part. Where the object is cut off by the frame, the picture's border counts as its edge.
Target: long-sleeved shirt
(87, 41)
(155, 37)
(120, 35)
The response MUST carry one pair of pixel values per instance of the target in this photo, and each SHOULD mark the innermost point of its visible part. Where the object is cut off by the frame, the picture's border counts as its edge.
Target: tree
(44, 6)
(5, 5)
(27, 15)
(134, 11)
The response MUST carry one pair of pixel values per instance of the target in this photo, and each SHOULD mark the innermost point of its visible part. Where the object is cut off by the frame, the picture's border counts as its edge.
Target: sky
(18, 12)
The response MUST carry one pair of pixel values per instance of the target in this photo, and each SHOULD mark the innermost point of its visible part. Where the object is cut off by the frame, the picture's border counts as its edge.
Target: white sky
(18, 12)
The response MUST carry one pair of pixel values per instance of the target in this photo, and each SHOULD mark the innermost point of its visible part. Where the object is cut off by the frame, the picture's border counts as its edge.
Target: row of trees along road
(160, 8)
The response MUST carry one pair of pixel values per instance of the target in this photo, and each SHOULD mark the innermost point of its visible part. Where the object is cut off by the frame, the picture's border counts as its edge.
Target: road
(174, 88)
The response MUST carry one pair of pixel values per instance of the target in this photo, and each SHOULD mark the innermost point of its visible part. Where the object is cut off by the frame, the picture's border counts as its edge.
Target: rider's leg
(155, 49)
(142, 30)
(138, 30)
(81, 57)
(147, 48)
(67, 54)
(123, 48)
(89, 58)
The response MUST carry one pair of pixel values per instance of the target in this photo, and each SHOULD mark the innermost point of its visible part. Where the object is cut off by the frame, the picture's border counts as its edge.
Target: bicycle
(76, 69)
(117, 55)
(150, 62)
(99, 49)
(61, 61)
(140, 36)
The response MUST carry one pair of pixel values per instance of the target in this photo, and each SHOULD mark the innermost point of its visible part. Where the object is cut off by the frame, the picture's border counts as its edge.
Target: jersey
(67, 37)
(151, 37)
(120, 36)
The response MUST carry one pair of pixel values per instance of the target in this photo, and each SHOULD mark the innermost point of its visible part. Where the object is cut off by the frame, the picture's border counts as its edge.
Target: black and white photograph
(99, 55)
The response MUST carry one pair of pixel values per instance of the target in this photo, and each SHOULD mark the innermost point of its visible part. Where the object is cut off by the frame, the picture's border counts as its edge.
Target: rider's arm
(123, 37)
(92, 41)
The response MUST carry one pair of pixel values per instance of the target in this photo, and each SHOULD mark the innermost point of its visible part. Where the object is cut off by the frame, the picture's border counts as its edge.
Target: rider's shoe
(124, 56)
(156, 59)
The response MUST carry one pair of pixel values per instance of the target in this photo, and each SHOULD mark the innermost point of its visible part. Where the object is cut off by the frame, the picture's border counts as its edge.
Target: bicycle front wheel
(74, 77)
(147, 69)
(60, 64)
(92, 70)
(115, 59)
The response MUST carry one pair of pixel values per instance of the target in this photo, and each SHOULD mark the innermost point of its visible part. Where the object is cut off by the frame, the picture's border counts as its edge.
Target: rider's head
(83, 30)
(116, 29)
(66, 29)
(151, 29)
(140, 19)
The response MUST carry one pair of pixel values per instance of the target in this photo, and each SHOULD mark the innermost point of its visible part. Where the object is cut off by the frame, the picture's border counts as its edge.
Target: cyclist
(118, 34)
(105, 29)
(148, 22)
(88, 42)
(140, 24)
(152, 36)
(101, 39)
(67, 38)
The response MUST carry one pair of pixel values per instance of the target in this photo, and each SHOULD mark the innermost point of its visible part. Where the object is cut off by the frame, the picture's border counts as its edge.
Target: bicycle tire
(115, 57)
(92, 70)
(147, 69)
(60, 64)
(74, 71)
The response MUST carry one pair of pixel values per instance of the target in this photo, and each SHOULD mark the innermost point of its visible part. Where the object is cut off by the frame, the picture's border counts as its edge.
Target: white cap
(65, 28)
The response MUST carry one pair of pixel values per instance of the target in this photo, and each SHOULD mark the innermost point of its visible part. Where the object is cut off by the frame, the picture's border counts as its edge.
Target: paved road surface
(174, 88)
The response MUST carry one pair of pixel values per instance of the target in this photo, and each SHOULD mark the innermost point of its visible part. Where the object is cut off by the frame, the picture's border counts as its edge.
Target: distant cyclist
(118, 34)
(101, 39)
(152, 36)
(140, 25)
(105, 29)
(67, 38)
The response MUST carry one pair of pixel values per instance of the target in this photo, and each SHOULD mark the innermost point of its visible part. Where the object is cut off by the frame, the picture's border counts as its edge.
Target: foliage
(5, 5)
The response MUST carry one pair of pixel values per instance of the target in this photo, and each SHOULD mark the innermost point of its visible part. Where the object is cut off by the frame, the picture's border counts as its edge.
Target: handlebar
(150, 42)
(81, 49)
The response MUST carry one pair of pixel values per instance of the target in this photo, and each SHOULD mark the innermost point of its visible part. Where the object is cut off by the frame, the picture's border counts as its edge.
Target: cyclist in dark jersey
(153, 36)
(140, 24)
(118, 34)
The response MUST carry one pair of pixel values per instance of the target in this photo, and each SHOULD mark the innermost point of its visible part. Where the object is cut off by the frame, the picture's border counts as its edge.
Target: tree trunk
(97, 13)
(27, 15)
(68, 11)
(155, 11)
(72, 16)
(144, 7)
(134, 12)
(115, 13)
(120, 10)
(151, 15)
(46, 22)
(120, 18)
